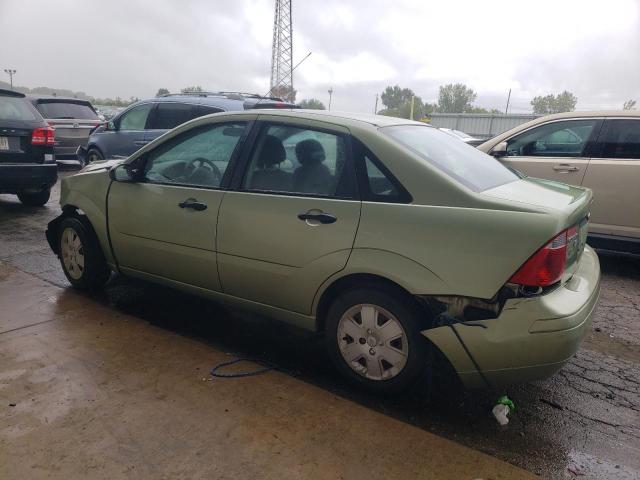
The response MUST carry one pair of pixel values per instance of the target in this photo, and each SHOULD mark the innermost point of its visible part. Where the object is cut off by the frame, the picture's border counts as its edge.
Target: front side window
(558, 139)
(299, 160)
(136, 118)
(197, 158)
(468, 165)
(622, 139)
(170, 115)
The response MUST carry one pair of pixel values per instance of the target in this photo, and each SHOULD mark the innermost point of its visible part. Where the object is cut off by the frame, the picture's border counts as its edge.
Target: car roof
(342, 118)
(55, 98)
(591, 113)
(11, 93)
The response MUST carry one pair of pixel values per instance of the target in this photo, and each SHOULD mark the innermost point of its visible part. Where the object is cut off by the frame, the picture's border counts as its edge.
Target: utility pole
(11, 72)
(375, 110)
(282, 51)
(413, 97)
(506, 110)
(330, 95)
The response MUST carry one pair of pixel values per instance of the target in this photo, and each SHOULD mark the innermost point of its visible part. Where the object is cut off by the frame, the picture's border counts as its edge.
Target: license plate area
(4, 144)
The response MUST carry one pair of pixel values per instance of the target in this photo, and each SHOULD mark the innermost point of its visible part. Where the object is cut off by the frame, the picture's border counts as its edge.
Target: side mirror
(111, 126)
(122, 173)
(500, 150)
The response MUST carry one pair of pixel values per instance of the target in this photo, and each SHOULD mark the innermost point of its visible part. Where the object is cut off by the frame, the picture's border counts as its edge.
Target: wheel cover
(372, 342)
(72, 252)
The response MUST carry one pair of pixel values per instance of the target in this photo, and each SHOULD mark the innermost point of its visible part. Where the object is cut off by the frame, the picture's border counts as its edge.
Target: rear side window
(622, 139)
(170, 115)
(66, 110)
(16, 108)
(207, 110)
(468, 165)
(377, 184)
(557, 139)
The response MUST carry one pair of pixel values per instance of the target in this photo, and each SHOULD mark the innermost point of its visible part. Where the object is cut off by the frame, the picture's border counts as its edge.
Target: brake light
(545, 267)
(43, 136)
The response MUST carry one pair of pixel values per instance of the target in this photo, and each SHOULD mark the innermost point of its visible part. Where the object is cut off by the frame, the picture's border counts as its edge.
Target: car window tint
(622, 139)
(136, 118)
(197, 158)
(66, 110)
(170, 115)
(557, 139)
(15, 108)
(206, 110)
(299, 160)
(468, 165)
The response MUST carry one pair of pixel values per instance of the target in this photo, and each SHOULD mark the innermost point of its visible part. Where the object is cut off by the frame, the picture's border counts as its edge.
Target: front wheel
(81, 256)
(34, 199)
(93, 155)
(373, 337)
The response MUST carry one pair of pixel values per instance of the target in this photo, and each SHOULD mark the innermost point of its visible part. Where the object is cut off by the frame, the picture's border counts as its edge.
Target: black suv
(27, 162)
(146, 120)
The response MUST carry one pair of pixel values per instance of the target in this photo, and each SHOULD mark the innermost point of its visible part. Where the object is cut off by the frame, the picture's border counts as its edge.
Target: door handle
(563, 167)
(320, 217)
(193, 204)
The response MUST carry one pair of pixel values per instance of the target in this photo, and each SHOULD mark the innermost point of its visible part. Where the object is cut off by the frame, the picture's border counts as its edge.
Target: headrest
(272, 152)
(310, 152)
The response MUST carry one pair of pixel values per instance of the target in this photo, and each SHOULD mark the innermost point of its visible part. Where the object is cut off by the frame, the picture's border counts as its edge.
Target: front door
(614, 177)
(165, 223)
(293, 220)
(555, 151)
(129, 134)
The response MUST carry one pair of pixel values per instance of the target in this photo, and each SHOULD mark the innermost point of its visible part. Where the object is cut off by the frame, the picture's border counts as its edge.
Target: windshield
(15, 108)
(468, 165)
(66, 110)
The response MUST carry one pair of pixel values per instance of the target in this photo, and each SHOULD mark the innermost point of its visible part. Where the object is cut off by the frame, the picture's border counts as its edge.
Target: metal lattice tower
(282, 52)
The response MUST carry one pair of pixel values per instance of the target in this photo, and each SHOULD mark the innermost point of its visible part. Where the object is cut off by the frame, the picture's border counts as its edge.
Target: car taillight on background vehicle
(43, 136)
(546, 266)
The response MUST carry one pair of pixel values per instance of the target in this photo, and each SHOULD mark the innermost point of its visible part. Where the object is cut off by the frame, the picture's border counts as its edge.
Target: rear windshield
(66, 110)
(16, 108)
(468, 165)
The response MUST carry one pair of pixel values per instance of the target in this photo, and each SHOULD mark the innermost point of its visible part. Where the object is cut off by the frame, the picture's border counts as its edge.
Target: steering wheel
(201, 162)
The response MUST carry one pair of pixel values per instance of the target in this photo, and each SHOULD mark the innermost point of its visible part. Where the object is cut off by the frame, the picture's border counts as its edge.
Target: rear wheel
(35, 199)
(94, 155)
(81, 256)
(373, 337)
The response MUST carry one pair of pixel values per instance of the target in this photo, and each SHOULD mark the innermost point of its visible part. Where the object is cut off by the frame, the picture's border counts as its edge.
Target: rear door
(168, 115)
(614, 176)
(292, 219)
(557, 150)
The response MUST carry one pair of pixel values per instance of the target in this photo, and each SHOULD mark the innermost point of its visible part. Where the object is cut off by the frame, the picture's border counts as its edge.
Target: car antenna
(278, 84)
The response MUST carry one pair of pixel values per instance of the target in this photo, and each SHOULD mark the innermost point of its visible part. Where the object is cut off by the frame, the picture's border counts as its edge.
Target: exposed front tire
(373, 337)
(93, 155)
(80, 255)
(34, 199)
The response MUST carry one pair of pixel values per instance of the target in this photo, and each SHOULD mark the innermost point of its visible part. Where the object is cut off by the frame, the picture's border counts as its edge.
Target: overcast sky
(133, 47)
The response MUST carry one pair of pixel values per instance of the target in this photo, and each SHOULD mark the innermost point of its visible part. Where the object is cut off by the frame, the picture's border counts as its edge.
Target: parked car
(598, 150)
(27, 162)
(468, 139)
(144, 121)
(378, 231)
(72, 119)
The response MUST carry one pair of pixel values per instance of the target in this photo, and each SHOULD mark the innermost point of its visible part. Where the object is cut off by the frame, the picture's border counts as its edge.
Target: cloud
(126, 48)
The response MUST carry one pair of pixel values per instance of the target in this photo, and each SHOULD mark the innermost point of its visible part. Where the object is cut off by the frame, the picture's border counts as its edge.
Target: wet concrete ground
(582, 423)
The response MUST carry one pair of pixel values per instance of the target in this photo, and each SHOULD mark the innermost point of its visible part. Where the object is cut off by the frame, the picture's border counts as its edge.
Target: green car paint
(250, 250)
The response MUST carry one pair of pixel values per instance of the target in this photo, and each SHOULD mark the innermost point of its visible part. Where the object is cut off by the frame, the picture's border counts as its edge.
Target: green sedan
(387, 236)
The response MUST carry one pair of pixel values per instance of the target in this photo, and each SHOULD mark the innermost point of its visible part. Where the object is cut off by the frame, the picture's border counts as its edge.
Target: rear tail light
(547, 265)
(43, 136)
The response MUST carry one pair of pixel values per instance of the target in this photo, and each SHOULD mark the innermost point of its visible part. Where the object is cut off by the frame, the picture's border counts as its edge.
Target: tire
(381, 361)
(80, 255)
(37, 199)
(93, 155)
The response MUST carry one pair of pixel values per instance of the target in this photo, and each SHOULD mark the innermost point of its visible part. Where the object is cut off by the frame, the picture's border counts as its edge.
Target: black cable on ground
(266, 367)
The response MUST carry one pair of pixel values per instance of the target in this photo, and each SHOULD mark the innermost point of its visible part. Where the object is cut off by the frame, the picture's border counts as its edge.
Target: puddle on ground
(587, 467)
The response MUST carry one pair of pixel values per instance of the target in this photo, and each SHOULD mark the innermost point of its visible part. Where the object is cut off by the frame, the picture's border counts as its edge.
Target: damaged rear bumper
(532, 337)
